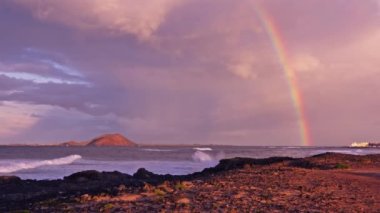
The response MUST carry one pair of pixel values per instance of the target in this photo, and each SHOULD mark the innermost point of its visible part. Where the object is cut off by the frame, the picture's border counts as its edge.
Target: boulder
(9, 180)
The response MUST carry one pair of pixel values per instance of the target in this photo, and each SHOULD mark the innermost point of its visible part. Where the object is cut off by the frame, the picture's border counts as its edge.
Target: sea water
(57, 162)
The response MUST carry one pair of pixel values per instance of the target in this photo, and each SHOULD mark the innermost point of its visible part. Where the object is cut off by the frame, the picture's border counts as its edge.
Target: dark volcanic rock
(332, 160)
(238, 163)
(149, 177)
(84, 176)
(144, 174)
(16, 193)
(93, 181)
(9, 180)
(104, 177)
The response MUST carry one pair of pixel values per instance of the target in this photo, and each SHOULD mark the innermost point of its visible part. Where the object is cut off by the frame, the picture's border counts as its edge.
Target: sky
(190, 71)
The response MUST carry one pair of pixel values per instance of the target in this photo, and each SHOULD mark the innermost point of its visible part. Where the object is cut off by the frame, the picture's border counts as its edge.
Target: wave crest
(157, 150)
(14, 167)
(202, 148)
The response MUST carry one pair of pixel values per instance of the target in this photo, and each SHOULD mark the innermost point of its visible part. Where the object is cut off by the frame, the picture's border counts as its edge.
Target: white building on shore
(360, 144)
(365, 144)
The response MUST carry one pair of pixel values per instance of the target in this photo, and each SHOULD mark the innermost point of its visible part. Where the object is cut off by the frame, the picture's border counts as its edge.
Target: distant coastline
(117, 139)
(107, 140)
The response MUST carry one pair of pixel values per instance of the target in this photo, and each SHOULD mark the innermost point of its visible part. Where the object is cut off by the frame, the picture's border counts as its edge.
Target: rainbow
(290, 75)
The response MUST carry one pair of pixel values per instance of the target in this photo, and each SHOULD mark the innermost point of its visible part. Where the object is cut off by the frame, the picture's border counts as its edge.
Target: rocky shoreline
(325, 182)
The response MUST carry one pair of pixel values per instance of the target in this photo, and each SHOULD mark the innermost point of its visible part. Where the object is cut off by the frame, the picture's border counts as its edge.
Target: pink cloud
(140, 18)
(16, 117)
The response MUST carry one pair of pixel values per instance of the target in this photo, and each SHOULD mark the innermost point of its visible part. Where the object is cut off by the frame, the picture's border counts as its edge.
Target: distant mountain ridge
(104, 141)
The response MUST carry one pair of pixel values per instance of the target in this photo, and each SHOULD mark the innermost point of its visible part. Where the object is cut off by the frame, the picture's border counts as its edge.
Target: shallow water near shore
(57, 162)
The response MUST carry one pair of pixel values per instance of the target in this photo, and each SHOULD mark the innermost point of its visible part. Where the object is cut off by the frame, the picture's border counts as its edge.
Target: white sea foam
(157, 150)
(200, 156)
(17, 166)
(202, 148)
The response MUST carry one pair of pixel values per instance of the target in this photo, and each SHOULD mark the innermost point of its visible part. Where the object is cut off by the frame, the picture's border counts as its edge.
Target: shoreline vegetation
(325, 182)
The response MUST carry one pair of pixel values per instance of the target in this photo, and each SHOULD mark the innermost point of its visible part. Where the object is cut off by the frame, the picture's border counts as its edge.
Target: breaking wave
(200, 156)
(202, 148)
(14, 167)
(157, 150)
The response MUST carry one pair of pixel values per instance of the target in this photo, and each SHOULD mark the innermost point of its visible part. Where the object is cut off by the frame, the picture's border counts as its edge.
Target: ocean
(56, 162)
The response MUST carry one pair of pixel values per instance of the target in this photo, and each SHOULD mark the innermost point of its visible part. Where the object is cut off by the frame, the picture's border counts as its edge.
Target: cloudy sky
(188, 71)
